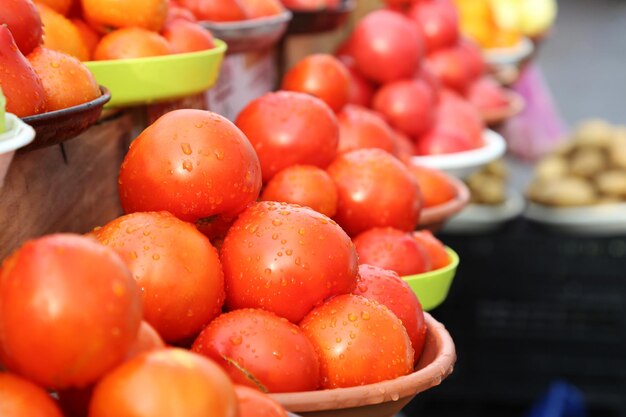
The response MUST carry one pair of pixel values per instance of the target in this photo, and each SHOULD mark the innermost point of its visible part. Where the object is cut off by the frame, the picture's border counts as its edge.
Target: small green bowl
(149, 80)
(432, 287)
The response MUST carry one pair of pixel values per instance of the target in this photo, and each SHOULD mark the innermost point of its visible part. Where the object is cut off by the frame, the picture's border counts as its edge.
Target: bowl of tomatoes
(386, 398)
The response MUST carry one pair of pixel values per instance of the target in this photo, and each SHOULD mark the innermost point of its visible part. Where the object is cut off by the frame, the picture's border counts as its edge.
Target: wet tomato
(361, 128)
(253, 403)
(259, 349)
(435, 185)
(24, 22)
(286, 259)
(21, 398)
(435, 250)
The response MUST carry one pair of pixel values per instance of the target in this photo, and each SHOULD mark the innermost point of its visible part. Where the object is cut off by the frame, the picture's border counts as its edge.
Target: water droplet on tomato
(186, 148)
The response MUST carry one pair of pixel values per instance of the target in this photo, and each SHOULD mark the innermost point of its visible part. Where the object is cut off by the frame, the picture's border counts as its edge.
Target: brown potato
(594, 132)
(612, 183)
(550, 168)
(564, 192)
(617, 151)
(491, 191)
(587, 162)
(497, 169)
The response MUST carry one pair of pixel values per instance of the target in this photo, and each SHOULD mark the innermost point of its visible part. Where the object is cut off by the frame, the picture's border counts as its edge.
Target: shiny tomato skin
(438, 21)
(288, 128)
(21, 398)
(375, 190)
(361, 128)
(450, 67)
(147, 340)
(457, 114)
(404, 146)
(386, 46)
(176, 267)
(24, 22)
(216, 10)
(435, 250)
(253, 403)
(286, 259)
(387, 288)
(72, 298)
(359, 342)
(392, 249)
(408, 105)
(322, 76)
(194, 164)
(169, 383)
(270, 348)
(305, 185)
(185, 36)
(473, 58)
(443, 140)
(435, 185)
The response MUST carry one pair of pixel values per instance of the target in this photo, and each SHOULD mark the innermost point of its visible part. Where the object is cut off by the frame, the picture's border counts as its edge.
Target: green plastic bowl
(432, 287)
(161, 78)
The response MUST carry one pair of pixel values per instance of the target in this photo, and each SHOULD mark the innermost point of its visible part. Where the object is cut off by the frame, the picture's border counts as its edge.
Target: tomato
(129, 43)
(387, 288)
(387, 46)
(24, 22)
(72, 298)
(375, 190)
(361, 128)
(253, 403)
(311, 5)
(435, 250)
(179, 13)
(216, 10)
(286, 259)
(255, 9)
(258, 348)
(169, 383)
(486, 94)
(399, 4)
(305, 185)
(361, 90)
(443, 140)
(450, 67)
(194, 164)
(435, 185)
(473, 58)
(147, 340)
(438, 21)
(391, 249)
(322, 76)
(457, 114)
(21, 398)
(288, 128)
(186, 36)
(176, 267)
(21, 86)
(359, 342)
(425, 74)
(404, 146)
(408, 105)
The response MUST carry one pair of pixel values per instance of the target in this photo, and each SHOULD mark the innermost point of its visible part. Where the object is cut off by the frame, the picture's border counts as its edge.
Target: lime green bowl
(432, 287)
(160, 78)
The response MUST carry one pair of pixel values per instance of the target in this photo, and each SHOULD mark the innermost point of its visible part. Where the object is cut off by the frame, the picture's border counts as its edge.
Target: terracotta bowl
(494, 118)
(384, 399)
(434, 218)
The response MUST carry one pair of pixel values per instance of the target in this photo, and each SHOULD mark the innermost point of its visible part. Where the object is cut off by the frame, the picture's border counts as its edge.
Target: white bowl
(464, 164)
(509, 56)
(482, 218)
(18, 134)
(598, 220)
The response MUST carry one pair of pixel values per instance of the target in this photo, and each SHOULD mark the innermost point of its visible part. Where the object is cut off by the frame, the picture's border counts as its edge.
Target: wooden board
(45, 194)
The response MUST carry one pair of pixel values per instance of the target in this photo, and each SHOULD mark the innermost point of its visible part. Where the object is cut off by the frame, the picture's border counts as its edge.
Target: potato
(564, 192)
(595, 132)
(491, 191)
(617, 151)
(497, 169)
(587, 162)
(612, 183)
(550, 168)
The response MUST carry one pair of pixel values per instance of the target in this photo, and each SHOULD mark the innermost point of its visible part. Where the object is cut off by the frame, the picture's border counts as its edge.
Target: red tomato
(257, 347)
(387, 46)
(286, 259)
(21, 398)
(175, 12)
(361, 90)
(147, 340)
(425, 74)
(322, 76)
(311, 5)
(176, 267)
(288, 128)
(255, 9)
(361, 128)
(305, 185)
(434, 249)
(216, 10)
(387, 288)
(443, 140)
(435, 185)
(408, 105)
(450, 66)
(438, 21)
(185, 36)
(253, 403)
(169, 382)
(375, 190)
(24, 22)
(473, 58)
(194, 164)
(391, 249)
(359, 342)
(486, 94)
(21, 86)
(398, 4)
(404, 146)
(73, 299)
(457, 114)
